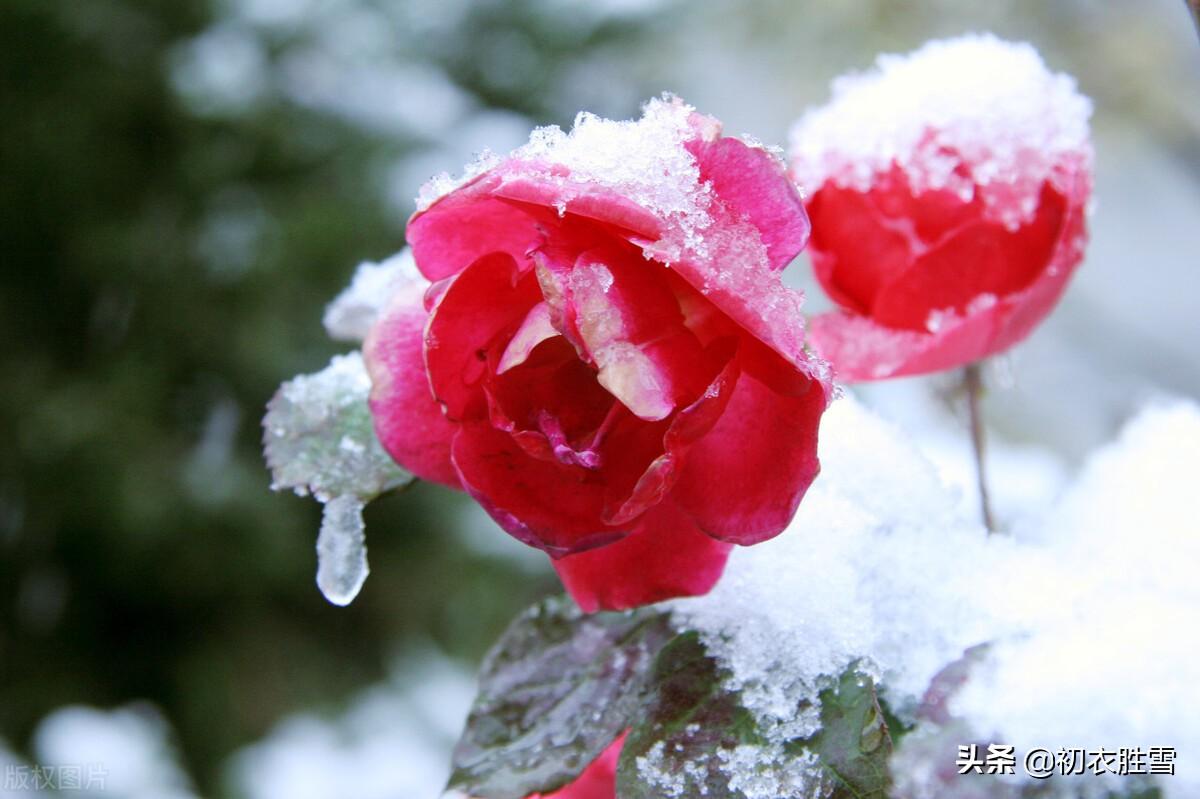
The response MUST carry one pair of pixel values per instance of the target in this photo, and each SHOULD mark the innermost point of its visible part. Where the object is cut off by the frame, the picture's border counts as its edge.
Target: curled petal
(535, 329)
(754, 184)
(977, 259)
(408, 420)
(546, 504)
(466, 225)
(475, 314)
(665, 556)
(863, 349)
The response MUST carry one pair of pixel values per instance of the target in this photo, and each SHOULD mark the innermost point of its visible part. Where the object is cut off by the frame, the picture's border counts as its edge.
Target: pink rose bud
(948, 191)
(607, 359)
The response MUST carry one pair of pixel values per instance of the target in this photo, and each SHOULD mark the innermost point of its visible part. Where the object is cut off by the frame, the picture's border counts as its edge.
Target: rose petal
(862, 349)
(630, 325)
(545, 504)
(755, 185)
(533, 331)
(466, 225)
(855, 248)
(735, 275)
(477, 312)
(666, 556)
(590, 201)
(743, 480)
(408, 420)
(980, 258)
(643, 460)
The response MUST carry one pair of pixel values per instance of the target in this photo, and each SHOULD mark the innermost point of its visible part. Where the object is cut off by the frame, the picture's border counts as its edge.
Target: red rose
(607, 359)
(948, 193)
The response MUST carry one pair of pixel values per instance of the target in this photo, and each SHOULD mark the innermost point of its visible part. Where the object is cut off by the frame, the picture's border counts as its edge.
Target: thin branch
(973, 386)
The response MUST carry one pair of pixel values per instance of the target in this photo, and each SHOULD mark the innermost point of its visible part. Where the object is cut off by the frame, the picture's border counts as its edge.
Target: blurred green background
(184, 184)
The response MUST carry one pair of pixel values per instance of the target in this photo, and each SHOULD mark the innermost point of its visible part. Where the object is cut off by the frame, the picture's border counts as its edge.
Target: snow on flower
(948, 191)
(605, 356)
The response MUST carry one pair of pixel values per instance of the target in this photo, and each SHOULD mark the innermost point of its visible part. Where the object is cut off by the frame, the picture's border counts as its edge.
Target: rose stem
(973, 384)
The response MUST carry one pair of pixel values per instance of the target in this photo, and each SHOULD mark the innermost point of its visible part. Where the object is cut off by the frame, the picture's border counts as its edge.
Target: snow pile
(1111, 656)
(1091, 611)
(878, 567)
(644, 161)
(351, 314)
(969, 114)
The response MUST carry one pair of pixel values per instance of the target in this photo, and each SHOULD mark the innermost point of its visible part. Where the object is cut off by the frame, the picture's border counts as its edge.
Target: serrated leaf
(853, 744)
(554, 692)
(689, 719)
(318, 436)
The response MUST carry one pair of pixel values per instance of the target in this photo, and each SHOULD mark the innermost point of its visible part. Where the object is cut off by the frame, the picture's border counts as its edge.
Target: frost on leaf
(554, 692)
(689, 720)
(351, 314)
(318, 439)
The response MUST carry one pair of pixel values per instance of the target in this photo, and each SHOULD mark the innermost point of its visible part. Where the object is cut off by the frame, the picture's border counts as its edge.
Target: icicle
(341, 550)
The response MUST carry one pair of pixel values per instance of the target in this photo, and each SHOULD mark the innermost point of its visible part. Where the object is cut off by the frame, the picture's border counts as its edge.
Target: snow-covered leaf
(689, 723)
(318, 437)
(554, 692)
(854, 743)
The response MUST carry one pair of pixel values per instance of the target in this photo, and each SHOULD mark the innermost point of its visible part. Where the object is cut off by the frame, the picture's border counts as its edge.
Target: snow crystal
(645, 160)
(341, 550)
(767, 772)
(443, 183)
(351, 314)
(974, 103)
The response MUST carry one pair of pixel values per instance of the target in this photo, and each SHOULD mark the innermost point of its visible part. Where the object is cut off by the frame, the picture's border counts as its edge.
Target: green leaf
(689, 720)
(554, 692)
(853, 745)
(318, 437)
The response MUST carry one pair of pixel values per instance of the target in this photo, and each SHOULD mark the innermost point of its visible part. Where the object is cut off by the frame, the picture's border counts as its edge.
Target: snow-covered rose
(606, 357)
(948, 193)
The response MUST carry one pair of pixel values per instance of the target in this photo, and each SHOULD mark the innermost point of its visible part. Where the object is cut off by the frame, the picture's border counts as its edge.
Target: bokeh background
(185, 183)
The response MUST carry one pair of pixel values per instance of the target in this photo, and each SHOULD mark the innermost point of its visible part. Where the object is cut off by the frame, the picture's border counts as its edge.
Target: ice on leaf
(318, 439)
(341, 550)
